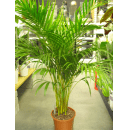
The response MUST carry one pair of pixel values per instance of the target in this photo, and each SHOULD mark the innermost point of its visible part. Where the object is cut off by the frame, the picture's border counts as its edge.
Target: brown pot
(64, 124)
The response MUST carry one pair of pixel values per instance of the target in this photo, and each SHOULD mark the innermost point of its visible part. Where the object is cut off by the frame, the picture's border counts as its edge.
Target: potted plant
(105, 86)
(107, 44)
(108, 17)
(57, 53)
(21, 60)
(23, 67)
(17, 30)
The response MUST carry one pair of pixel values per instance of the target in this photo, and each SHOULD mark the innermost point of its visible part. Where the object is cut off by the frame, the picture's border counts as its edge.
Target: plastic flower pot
(23, 70)
(63, 124)
(16, 76)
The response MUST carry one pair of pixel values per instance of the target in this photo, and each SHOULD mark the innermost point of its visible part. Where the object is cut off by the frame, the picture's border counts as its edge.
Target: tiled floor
(34, 113)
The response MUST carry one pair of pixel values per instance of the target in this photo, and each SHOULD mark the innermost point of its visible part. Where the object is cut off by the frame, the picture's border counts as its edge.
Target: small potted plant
(17, 31)
(23, 67)
(21, 60)
(57, 53)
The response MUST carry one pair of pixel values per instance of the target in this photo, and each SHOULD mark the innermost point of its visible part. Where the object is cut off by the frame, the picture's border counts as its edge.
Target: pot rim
(64, 120)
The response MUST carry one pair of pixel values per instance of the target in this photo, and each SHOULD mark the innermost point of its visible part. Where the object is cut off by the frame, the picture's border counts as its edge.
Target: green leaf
(16, 19)
(39, 87)
(69, 65)
(90, 73)
(103, 45)
(43, 3)
(105, 92)
(85, 70)
(36, 81)
(53, 85)
(57, 42)
(88, 85)
(46, 88)
(86, 5)
(82, 68)
(38, 70)
(43, 70)
(46, 72)
(107, 14)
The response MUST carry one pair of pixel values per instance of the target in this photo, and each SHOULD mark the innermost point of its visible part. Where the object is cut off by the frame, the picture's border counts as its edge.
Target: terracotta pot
(64, 124)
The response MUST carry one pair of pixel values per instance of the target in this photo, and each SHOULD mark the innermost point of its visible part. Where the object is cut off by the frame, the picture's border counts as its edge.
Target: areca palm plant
(105, 85)
(57, 50)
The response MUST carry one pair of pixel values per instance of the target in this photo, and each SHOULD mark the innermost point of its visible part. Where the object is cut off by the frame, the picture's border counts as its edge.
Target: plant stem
(61, 109)
(65, 110)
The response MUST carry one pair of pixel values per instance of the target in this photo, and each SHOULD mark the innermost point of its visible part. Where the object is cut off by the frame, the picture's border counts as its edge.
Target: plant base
(62, 124)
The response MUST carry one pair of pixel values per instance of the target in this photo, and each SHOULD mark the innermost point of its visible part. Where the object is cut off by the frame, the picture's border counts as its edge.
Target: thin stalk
(61, 109)
(66, 102)
(65, 110)
(58, 111)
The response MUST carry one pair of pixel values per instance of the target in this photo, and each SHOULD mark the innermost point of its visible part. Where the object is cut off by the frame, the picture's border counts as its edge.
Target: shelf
(21, 80)
(106, 103)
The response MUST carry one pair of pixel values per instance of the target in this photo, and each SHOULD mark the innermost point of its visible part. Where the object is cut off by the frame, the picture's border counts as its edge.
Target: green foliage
(109, 26)
(109, 48)
(108, 13)
(18, 41)
(105, 70)
(106, 92)
(16, 64)
(16, 19)
(57, 51)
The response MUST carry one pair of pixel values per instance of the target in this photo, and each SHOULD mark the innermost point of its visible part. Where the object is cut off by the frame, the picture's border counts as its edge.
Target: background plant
(57, 50)
(108, 18)
(18, 41)
(107, 55)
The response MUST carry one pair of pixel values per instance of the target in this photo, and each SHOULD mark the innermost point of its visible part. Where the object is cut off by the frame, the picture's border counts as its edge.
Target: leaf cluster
(57, 51)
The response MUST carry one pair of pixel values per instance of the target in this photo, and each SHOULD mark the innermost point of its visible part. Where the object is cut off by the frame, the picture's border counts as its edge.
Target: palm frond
(56, 50)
